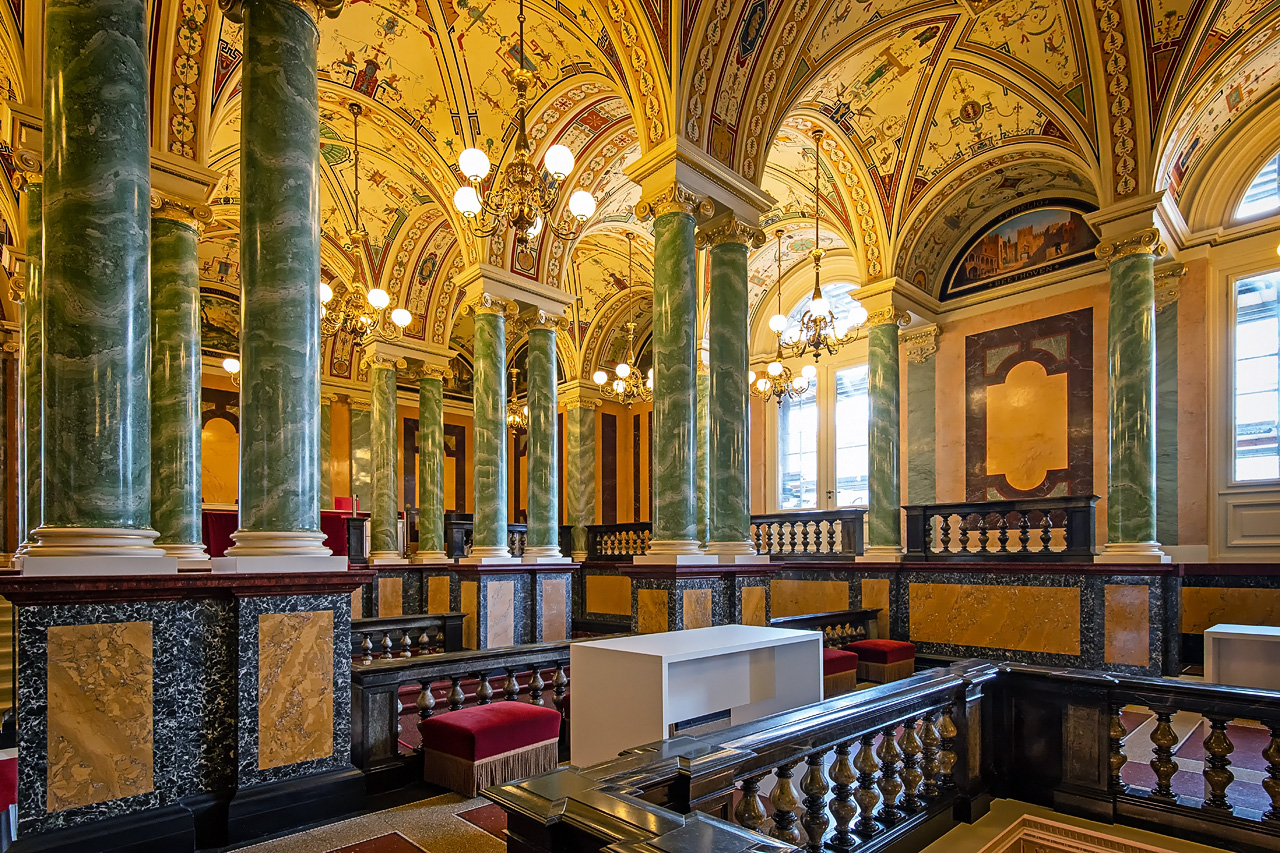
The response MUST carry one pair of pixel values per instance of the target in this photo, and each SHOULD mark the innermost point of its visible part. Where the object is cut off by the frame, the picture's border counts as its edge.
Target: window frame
(1231, 362)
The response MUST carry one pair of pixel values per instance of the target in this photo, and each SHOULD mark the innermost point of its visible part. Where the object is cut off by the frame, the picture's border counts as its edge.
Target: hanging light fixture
(628, 386)
(523, 198)
(357, 236)
(517, 412)
(819, 329)
(231, 365)
(778, 382)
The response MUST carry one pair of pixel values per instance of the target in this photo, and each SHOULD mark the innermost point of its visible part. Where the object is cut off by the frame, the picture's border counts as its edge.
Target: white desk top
(1258, 631)
(703, 642)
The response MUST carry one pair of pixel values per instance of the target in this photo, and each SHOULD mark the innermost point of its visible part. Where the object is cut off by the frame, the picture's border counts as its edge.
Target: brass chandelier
(628, 386)
(778, 382)
(523, 197)
(819, 329)
(517, 412)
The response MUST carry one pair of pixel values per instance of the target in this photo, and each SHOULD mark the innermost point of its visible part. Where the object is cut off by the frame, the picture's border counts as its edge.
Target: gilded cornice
(1168, 284)
(487, 303)
(733, 230)
(920, 346)
(191, 214)
(885, 316)
(1145, 242)
(234, 9)
(674, 199)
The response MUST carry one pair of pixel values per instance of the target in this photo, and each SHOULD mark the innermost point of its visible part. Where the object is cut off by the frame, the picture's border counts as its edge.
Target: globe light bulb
(650, 375)
(857, 314)
(800, 384)
(624, 370)
(582, 204)
(809, 371)
(648, 383)
(619, 386)
(401, 317)
(751, 377)
(326, 293)
(231, 365)
(819, 306)
(473, 163)
(536, 228)
(466, 201)
(778, 323)
(525, 409)
(774, 368)
(762, 384)
(559, 161)
(378, 298)
(600, 377)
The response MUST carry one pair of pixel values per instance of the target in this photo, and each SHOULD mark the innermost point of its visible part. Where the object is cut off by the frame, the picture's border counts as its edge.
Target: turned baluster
(784, 804)
(386, 646)
(1024, 532)
(750, 811)
(1271, 784)
(804, 537)
(947, 757)
(928, 534)
(536, 686)
(929, 743)
(424, 641)
(1116, 759)
(366, 649)
(945, 537)
(888, 783)
(406, 646)
(484, 691)
(511, 687)
(793, 538)
(1002, 536)
(843, 809)
(1046, 534)
(964, 534)
(982, 534)
(560, 686)
(832, 542)
(426, 703)
(456, 696)
(399, 711)
(1217, 773)
(1163, 764)
(911, 747)
(865, 795)
(815, 788)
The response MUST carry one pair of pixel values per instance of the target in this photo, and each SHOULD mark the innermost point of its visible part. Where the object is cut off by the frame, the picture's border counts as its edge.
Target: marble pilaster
(31, 357)
(1166, 331)
(175, 379)
(326, 475)
(384, 511)
(703, 458)
(489, 477)
(95, 301)
(280, 274)
(922, 438)
(580, 465)
(1131, 356)
(884, 513)
(431, 465)
(543, 542)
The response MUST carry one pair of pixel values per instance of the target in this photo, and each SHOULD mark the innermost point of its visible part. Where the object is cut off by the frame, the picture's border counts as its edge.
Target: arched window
(1263, 195)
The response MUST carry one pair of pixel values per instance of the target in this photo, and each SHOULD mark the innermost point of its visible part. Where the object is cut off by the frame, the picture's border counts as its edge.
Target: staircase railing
(1033, 530)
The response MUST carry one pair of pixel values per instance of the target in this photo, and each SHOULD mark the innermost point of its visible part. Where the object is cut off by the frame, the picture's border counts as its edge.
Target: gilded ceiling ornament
(192, 214)
(761, 102)
(1111, 30)
(640, 64)
(731, 231)
(1145, 242)
(487, 303)
(673, 199)
(921, 345)
(706, 58)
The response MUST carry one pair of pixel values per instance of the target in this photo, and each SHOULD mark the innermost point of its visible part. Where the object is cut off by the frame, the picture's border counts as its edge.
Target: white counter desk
(628, 691)
(1243, 656)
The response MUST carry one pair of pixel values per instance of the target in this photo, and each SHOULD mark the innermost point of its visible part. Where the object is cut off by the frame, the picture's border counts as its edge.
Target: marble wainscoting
(602, 595)
(496, 601)
(680, 598)
(552, 605)
(407, 589)
(139, 703)
(1216, 594)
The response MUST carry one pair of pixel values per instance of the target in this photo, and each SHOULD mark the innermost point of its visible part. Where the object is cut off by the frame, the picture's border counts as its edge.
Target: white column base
(545, 560)
(473, 560)
(201, 564)
(290, 543)
(1187, 553)
(880, 554)
(279, 564)
(189, 556)
(743, 559)
(96, 552)
(543, 554)
(675, 552)
(384, 558)
(1132, 552)
(38, 567)
(738, 547)
(431, 557)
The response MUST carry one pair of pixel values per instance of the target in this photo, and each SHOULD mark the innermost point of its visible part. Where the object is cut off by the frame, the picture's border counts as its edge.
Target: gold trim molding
(920, 346)
(674, 199)
(1145, 242)
(368, 362)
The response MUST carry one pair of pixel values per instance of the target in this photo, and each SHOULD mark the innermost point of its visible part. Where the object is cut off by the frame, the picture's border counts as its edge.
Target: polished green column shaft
(96, 301)
(30, 382)
(730, 525)
(703, 460)
(280, 272)
(544, 464)
(883, 513)
(384, 509)
(431, 466)
(175, 383)
(675, 397)
(489, 531)
(326, 478)
(580, 473)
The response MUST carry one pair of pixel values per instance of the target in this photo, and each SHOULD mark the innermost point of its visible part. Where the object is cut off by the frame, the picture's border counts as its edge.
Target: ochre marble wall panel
(438, 594)
(1023, 618)
(295, 687)
(875, 593)
(753, 606)
(1027, 425)
(470, 627)
(357, 603)
(800, 598)
(554, 596)
(609, 594)
(1204, 607)
(1128, 624)
(390, 596)
(500, 614)
(651, 611)
(697, 608)
(100, 732)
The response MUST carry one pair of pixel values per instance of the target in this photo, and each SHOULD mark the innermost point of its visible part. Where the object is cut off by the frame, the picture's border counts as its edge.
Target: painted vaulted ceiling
(940, 116)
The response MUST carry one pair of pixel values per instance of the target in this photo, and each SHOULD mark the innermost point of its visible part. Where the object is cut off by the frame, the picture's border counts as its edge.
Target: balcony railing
(1035, 530)
(618, 541)
(818, 535)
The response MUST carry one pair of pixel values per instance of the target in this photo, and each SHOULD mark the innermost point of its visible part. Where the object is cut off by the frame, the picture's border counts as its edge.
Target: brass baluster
(559, 687)
(911, 747)
(366, 649)
(1162, 763)
(784, 803)
(888, 783)
(1024, 532)
(865, 795)
(929, 742)
(536, 686)
(511, 687)
(750, 811)
(1271, 784)
(947, 757)
(1003, 535)
(815, 788)
(1217, 773)
(982, 534)
(928, 534)
(804, 537)
(843, 809)
(456, 696)
(1116, 758)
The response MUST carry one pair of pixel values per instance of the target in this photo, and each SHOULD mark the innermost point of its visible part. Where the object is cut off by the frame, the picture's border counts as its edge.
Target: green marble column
(95, 305)
(703, 459)
(580, 473)
(884, 528)
(543, 544)
(1167, 413)
(675, 393)
(176, 508)
(922, 405)
(730, 524)
(280, 274)
(1131, 355)
(489, 477)
(384, 509)
(361, 453)
(326, 476)
(30, 399)
(431, 466)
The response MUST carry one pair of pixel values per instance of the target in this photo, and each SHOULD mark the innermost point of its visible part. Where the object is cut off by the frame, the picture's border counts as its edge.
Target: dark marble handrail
(809, 535)
(385, 637)
(1034, 529)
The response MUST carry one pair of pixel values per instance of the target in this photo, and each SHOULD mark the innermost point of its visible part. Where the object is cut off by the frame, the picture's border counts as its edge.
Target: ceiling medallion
(628, 386)
(778, 382)
(524, 197)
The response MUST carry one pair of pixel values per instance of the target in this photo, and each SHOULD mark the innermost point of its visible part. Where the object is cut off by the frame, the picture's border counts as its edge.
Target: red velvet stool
(839, 672)
(472, 748)
(883, 661)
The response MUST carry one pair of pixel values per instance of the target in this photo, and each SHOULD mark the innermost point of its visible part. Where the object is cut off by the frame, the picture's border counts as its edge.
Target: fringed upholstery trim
(840, 683)
(468, 777)
(883, 673)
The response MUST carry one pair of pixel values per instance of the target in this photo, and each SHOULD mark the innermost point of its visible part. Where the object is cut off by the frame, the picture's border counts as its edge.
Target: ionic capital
(674, 199)
(487, 303)
(1168, 285)
(328, 399)
(418, 371)
(190, 214)
(30, 168)
(11, 347)
(1144, 242)
(234, 9)
(732, 230)
(576, 400)
(920, 346)
(885, 316)
(17, 288)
